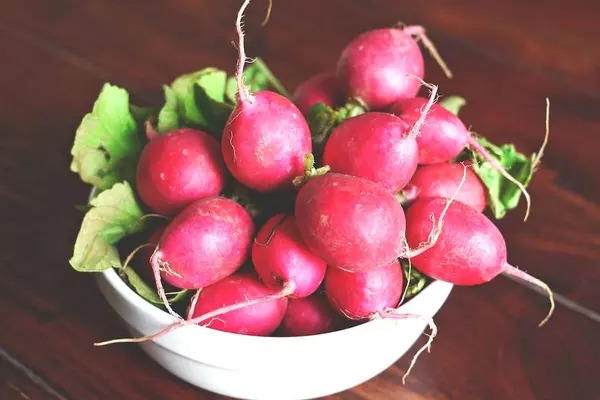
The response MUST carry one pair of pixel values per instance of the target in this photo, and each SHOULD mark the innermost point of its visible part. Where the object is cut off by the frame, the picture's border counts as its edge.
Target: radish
(376, 146)
(281, 258)
(370, 295)
(444, 137)
(441, 180)
(265, 137)
(209, 240)
(361, 295)
(258, 320)
(311, 315)
(376, 66)
(320, 88)
(239, 303)
(178, 168)
(350, 222)
(469, 250)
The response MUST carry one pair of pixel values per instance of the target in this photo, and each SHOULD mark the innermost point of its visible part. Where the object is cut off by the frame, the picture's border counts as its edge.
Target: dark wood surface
(507, 57)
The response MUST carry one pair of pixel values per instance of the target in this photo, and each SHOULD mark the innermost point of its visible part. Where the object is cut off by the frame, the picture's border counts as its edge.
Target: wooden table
(507, 56)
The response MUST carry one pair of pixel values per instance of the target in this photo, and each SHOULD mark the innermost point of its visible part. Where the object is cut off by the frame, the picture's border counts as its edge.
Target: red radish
(178, 168)
(312, 315)
(370, 295)
(280, 257)
(470, 250)
(362, 295)
(257, 320)
(444, 136)
(376, 146)
(266, 137)
(441, 180)
(238, 303)
(209, 240)
(377, 65)
(320, 88)
(350, 222)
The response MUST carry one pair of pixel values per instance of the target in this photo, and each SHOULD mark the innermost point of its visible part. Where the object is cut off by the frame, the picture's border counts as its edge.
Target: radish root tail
(540, 154)
(243, 94)
(419, 33)
(287, 290)
(415, 130)
(437, 225)
(156, 263)
(193, 302)
(432, 327)
(268, 14)
(133, 253)
(516, 272)
(496, 165)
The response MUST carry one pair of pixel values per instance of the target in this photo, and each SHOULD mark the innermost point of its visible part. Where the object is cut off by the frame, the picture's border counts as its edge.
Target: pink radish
(258, 320)
(441, 180)
(370, 295)
(178, 168)
(350, 222)
(376, 146)
(209, 240)
(266, 137)
(470, 250)
(376, 66)
(361, 295)
(238, 303)
(281, 258)
(444, 136)
(312, 315)
(320, 88)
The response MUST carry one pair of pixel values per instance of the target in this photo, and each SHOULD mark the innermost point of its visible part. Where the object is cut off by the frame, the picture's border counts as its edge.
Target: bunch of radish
(381, 185)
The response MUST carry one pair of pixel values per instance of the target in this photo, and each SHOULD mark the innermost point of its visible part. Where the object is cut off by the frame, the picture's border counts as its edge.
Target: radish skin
(309, 316)
(178, 168)
(281, 257)
(470, 250)
(375, 146)
(320, 88)
(441, 180)
(266, 137)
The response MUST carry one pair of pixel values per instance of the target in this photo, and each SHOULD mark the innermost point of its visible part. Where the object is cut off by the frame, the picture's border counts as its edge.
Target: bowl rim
(162, 317)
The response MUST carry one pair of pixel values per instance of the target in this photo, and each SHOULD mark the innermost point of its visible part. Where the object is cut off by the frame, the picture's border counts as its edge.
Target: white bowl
(273, 368)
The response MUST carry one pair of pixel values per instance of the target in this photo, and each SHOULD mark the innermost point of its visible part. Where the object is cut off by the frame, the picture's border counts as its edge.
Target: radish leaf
(114, 214)
(107, 144)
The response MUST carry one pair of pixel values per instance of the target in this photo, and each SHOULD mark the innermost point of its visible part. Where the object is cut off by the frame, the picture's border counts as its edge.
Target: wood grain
(489, 347)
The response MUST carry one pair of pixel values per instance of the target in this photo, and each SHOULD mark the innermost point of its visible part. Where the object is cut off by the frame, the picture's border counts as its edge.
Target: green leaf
(107, 144)
(216, 112)
(212, 80)
(257, 76)
(114, 214)
(503, 195)
(417, 281)
(168, 116)
(322, 119)
(149, 294)
(453, 103)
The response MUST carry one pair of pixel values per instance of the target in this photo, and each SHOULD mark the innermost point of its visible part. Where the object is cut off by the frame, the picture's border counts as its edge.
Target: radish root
(157, 264)
(419, 33)
(193, 302)
(133, 253)
(538, 157)
(287, 290)
(432, 327)
(243, 94)
(496, 165)
(268, 14)
(437, 225)
(514, 271)
(416, 128)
